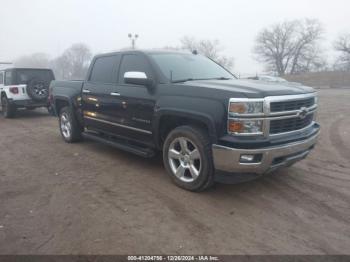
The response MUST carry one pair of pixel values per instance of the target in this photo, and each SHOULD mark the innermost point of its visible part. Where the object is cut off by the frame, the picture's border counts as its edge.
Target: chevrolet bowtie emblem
(303, 112)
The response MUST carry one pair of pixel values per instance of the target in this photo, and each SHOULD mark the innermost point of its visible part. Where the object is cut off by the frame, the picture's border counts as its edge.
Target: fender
(62, 98)
(206, 119)
(73, 102)
(210, 112)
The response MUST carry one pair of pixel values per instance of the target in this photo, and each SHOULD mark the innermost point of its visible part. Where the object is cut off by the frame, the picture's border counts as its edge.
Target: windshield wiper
(220, 78)
(194, 79)
(185, 80)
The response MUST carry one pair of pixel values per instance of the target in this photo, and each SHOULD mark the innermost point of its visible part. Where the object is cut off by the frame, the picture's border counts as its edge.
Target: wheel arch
(61, 102)
(168, 119)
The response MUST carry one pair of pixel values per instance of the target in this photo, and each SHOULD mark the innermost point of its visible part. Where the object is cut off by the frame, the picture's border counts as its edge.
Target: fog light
(255, 158)
(247, 158)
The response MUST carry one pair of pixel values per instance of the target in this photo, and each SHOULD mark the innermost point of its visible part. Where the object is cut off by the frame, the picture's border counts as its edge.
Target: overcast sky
(50, 26)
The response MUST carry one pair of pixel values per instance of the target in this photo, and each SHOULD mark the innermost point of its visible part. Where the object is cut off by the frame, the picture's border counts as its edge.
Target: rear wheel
(187, 157)
(69, 126)
(8, 110)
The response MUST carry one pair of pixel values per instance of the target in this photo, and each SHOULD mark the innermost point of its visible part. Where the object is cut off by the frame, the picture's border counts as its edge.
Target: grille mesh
(290, 124)
(291, 105)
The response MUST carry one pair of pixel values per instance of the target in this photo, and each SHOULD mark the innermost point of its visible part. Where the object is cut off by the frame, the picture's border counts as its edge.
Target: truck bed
(66, 88)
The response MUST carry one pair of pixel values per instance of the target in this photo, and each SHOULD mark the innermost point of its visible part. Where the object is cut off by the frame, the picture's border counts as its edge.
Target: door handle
(86, 91)
(115, 94)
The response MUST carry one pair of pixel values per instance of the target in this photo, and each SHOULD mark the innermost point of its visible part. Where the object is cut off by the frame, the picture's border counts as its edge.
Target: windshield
(280, 79)
(23, 76)
(177, 67)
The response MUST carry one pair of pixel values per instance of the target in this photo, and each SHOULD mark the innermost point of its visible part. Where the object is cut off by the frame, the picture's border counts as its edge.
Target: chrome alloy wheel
(66, 126)
(184, 159)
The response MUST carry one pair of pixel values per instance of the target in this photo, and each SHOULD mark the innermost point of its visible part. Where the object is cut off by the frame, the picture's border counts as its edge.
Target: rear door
(32, 83)
(99, 101)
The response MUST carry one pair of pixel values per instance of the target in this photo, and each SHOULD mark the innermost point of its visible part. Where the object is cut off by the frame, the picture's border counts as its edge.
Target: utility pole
(133, 39)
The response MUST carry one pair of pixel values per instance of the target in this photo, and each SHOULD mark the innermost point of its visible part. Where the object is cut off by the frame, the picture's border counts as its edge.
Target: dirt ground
(87, 198)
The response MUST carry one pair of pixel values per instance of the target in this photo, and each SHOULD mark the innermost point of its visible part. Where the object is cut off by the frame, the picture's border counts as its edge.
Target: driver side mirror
(137, 78)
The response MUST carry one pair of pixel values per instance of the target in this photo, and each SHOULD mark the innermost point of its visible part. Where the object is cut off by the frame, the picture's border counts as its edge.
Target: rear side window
(23, 76)
(8, 78)
(133, 63)
(1, 78)
(104, 69)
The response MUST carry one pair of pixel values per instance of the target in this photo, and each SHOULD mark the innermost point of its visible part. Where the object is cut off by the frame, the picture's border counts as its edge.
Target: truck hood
(252, 88)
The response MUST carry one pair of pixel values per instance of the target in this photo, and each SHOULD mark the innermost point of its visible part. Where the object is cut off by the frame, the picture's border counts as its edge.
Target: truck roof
(25, 68)
(145, 51)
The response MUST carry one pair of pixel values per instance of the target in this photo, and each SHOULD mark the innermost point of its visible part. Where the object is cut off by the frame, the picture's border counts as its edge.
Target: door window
(8, 77)
(104, 69)
(133, 63)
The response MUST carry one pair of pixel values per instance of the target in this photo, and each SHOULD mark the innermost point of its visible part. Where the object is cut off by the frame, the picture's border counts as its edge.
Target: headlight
(245, 127)
(243, 108)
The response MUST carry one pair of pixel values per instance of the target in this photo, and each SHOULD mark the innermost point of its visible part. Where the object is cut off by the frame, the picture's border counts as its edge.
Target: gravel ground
(87, 198)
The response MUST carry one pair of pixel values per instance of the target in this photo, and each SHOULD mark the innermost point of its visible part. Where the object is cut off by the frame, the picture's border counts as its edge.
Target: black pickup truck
(209, 125)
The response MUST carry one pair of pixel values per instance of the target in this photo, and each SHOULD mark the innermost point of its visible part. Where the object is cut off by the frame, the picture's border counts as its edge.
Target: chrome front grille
(290, 124)
(281, 114)
(291, 105)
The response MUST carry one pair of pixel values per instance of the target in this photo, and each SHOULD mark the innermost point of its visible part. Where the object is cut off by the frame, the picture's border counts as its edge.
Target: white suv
(24, 88)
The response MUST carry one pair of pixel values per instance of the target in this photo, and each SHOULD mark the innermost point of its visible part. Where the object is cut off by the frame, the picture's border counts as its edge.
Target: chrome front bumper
(228, 159)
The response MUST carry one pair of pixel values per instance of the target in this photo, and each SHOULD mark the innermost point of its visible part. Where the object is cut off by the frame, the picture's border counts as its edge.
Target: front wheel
(69, 126)
(187, 157)
(8, 110)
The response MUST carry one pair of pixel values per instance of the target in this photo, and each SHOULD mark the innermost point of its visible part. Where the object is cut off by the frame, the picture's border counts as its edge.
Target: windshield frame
(166, 78)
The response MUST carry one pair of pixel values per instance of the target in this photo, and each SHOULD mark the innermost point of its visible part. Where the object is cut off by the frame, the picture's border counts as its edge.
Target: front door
(138, 101)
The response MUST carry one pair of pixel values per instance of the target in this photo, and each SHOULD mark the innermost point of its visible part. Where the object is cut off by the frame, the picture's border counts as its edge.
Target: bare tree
(290, 47)
(73, 63)
(342, 45)
(62, 67)
(189, 43)
(39, 60)
(209, 48)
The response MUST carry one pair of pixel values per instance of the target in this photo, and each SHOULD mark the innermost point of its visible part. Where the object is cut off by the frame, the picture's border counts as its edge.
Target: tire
(187, 152)
(69, 126)
(38, 90)
(8, 110)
